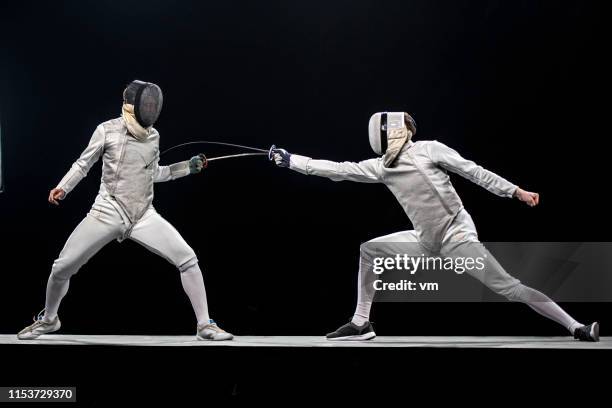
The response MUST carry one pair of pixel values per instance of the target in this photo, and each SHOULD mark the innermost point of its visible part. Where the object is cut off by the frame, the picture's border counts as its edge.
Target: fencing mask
(147, 99)
(388, 132)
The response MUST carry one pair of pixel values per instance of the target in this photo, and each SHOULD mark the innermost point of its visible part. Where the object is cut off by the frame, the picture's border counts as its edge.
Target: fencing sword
(231, 156)
(260, 152)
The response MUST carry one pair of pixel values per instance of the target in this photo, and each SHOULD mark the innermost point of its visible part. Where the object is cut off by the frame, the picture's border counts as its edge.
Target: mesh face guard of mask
(147, 99)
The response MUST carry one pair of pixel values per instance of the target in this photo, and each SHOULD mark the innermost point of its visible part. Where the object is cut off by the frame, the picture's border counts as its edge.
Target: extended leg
(497, 279)
(462, 241)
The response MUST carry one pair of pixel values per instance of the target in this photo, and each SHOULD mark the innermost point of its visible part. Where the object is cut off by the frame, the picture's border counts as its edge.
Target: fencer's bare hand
(529, 198)
(55, 195)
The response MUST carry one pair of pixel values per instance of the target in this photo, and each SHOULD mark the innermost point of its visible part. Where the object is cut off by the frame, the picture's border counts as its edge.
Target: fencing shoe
(587, 333)
(352, 332)
(211, 331)
(40, 326)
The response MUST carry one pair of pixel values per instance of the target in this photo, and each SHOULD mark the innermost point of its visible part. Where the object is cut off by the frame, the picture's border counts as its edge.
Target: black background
(520, 87)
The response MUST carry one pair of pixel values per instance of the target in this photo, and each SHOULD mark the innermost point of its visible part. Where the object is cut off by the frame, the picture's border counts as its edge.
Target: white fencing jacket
(127, 180)
(419, 180)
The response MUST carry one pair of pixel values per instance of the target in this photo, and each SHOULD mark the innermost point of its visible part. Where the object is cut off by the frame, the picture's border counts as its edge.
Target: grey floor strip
(315, 341)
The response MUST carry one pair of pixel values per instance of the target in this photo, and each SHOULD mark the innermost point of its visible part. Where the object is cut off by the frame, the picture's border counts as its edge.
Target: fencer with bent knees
(123, 208)
(417, 175)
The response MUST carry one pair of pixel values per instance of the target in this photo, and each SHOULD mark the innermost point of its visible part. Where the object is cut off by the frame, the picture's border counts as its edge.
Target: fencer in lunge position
(416, 173)
(129, 147)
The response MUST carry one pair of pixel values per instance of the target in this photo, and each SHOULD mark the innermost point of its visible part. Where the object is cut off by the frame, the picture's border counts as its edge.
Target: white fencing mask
(388, 132)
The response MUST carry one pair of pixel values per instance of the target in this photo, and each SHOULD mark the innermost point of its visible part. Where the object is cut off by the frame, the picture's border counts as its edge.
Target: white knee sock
(360, 316)
(546, 307)
(554, 312)
(193, 284)
(56, 290)
(365, 292)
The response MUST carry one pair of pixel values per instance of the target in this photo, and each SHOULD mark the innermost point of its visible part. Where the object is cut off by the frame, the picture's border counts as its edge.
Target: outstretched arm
(366, 171)
(81, 167)
(452, 161)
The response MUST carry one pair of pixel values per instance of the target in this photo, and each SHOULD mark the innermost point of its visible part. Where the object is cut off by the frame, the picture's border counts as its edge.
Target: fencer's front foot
(39, 327)
(212, 332)
(587, 333)
(352, 332)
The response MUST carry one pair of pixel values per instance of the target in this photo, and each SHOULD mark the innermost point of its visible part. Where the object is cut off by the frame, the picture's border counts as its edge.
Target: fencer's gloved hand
(196, 164)
(281, 157)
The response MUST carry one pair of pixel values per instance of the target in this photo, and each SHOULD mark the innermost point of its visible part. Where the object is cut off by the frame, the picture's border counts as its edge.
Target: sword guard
(271, 153)
(203, 157)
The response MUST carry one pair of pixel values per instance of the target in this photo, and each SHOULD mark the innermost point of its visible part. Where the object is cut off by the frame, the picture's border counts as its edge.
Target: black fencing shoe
(587, 333)
(352, 332)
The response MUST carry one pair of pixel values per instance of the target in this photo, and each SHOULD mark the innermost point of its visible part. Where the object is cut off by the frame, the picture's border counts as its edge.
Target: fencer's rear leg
(86, 240)
(495, 277)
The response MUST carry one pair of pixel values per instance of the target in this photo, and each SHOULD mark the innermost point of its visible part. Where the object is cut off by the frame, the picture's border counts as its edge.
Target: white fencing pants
(104, 224)
(461, 236)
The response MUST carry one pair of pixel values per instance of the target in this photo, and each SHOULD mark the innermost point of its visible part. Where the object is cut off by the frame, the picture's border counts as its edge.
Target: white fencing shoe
(40, 326)
(211, 331)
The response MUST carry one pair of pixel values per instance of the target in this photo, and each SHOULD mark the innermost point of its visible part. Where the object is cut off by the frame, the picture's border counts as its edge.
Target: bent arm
(450, 160)
(366, 171)
(88, 158)
(171, 172)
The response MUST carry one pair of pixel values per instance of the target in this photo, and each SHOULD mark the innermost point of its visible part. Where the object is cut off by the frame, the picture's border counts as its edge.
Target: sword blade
(263, 151)
(231, 156)
(214, 143)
